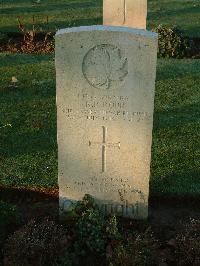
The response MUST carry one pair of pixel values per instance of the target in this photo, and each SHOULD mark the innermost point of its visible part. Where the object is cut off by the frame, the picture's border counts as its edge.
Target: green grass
(181, 13)
(28, 149)
(67, 13)
(176, 138)
(61, 14)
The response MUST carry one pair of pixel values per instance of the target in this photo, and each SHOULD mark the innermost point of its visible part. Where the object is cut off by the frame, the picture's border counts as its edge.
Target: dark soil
(32, 203)
(166, 216)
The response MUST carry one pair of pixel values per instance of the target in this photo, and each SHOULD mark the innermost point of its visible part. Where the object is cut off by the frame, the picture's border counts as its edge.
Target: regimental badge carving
(105, 66)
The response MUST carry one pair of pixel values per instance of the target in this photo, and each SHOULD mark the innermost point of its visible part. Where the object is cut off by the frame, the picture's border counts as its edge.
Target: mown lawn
(68, 13)
(61, 14)
(28, 149)
(176, 135)
(181, 13)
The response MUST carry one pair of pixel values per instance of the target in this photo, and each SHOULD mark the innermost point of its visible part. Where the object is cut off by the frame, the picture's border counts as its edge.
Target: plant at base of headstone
(172, 43)
(112, 230)
(89, 229)
(85, 204)
(93, 229)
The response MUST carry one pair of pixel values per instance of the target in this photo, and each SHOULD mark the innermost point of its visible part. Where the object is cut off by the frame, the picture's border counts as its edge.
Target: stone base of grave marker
(105, 103)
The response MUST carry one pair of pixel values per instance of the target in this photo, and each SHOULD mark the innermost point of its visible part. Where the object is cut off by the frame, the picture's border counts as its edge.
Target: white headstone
(131, 13)
(105, 103)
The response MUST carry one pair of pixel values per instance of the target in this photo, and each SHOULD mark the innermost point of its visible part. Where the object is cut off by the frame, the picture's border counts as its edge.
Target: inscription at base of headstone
(131, 13)
(105, 103)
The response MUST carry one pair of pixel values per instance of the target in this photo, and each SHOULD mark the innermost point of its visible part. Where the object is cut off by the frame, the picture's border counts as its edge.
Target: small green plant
(90, 235)
(111, 228)
(93, 229)
(90, 239)
(98, 241)
(9, 219)
(172, 43)
(92, 232)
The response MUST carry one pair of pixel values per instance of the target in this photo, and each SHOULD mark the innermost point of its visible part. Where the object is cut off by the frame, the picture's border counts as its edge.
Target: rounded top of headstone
(138, 32)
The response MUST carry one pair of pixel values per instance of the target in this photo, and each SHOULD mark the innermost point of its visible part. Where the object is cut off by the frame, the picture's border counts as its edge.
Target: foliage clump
(92, 230)
(98, 240)
(88, 238)
(31, 43)
(172, 43)
(188, 244)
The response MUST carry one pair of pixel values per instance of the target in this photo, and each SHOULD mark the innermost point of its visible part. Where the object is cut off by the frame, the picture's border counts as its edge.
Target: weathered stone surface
(105, 102)
(131, 13)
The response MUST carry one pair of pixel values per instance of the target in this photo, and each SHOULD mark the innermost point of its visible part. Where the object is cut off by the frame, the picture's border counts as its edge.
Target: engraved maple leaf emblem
(104, 65)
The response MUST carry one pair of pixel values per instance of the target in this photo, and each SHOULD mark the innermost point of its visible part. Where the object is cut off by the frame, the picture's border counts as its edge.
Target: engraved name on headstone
(131, 13)
(105, 102)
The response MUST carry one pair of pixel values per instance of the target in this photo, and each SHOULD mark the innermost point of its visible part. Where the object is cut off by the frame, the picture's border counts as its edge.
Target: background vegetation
(66, 13)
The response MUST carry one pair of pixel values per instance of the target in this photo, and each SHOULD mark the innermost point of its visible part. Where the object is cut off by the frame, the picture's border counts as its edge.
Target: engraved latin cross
(124, 12)
(104, 145)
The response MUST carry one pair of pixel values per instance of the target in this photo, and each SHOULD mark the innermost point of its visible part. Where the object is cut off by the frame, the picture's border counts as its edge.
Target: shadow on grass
(175, 166)
(186, 18)
(168, 14)
(28, 193)
(173, 68)
(13, 60)
(183, 185)
(16, 143)
(41, 137)
(33, 204)
(14, 10)
(39, 202)
(54, 26)
(75, 23)
(177, 117)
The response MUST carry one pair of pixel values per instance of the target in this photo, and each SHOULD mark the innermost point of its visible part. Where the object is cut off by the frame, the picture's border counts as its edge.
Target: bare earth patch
(166, 217)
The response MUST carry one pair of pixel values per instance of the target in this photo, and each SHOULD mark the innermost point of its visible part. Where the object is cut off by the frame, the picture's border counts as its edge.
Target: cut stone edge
(138, 32)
